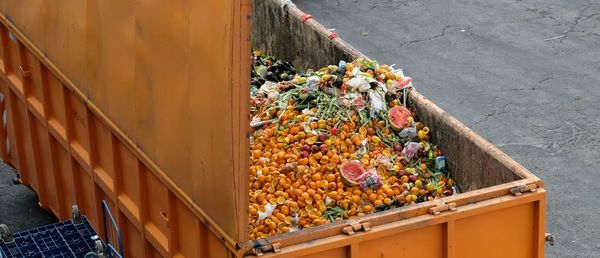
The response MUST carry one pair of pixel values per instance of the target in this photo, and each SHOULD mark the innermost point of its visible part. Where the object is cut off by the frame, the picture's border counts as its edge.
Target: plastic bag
(410, 150)
(269, 208)
(313, 83)
(358, 84)
(261, 71)
(273, 96)
(384, 162)
(369, 180)
(377, 100)
(267, 87)
(257, 123)
(408, 134)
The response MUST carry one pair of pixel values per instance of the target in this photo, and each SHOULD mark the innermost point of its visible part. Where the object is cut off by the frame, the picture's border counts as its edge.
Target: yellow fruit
(414, 191)
(421, 134)
(375, 139)
(430, 187)
(418, 183)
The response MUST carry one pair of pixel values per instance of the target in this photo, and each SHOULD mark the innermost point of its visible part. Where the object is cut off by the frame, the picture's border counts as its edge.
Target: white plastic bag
(358, 84)
(269, 208)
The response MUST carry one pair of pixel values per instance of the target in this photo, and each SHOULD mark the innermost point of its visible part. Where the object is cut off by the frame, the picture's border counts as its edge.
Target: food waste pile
(335, 143)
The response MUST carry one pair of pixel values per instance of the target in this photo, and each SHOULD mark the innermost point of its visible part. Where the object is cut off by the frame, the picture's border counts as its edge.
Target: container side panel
(161, 71)
(57, 120)
(85, 187)
(10, 128)
(36, 157)
(65, 37)
(135, 246)
(341, 252)
(211, 138)
(103, 167)
(64, 174)
(111, 59)
(23, 135)
(112, 205)
(506, 232)
(11, 48)
(42, 139)
(162, 82)
(215, 247)
(155, 253)
(34, 91)
(79, 130)
(129, 186)
(407, 244)
(4, 141)
(30, 17)
(186, 230)
(156, 211)
(3, 42)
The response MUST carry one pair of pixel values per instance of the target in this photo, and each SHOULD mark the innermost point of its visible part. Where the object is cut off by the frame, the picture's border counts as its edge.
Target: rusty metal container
(144, 104)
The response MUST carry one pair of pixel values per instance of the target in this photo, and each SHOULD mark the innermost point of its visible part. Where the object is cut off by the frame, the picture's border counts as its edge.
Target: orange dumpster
(144, 104)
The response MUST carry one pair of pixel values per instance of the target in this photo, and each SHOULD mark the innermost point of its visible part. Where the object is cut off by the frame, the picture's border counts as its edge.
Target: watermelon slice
(398, 117)
(350, 172)
(403, 82)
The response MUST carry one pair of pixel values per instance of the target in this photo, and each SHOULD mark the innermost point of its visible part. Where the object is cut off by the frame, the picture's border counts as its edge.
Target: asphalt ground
(19, 208)
(524, 74)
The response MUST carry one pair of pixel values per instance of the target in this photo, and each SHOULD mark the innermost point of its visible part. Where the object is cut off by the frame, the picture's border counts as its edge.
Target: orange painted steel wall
(504, 227)
(68, 154)
(167, 74)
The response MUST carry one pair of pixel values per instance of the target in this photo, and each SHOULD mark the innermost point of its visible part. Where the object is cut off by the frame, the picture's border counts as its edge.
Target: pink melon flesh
(403, 82)
(398, 117)
(350, 172)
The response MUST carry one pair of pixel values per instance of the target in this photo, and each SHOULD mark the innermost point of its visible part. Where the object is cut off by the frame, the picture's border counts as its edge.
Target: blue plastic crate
(58, 240)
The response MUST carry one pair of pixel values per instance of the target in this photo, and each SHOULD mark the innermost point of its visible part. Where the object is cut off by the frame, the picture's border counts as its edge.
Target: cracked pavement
(524, 74)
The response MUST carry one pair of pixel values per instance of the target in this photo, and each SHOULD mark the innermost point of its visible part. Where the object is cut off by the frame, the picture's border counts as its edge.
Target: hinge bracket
(516, 191)
(442, 208)
(262, 246)
(355, 227)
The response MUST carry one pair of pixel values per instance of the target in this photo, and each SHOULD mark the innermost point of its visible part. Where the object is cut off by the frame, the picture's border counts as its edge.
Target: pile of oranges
(296, 154)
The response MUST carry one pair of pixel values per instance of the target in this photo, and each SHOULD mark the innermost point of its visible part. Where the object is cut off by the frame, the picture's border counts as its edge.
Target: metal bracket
(356, 227)
(516, 191)
(262, 246)
(26, 73)
(442, 208)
